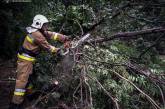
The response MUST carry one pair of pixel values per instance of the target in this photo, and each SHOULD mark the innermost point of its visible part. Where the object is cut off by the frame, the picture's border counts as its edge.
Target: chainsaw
(73, 44)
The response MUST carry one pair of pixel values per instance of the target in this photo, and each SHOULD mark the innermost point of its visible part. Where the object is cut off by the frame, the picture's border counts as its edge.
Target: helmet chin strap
(43, 32)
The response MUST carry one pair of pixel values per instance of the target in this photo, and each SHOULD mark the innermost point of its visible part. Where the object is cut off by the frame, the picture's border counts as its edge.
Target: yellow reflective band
(19, 93)
(29, 39)
(26, 57)
(53, 49)
(55, 37)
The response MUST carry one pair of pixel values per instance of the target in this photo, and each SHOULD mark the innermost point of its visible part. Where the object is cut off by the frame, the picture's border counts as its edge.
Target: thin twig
(81, 93)
(113, 99)
(156, 106)
(90, 92)
(82, 31)
(42, 97)
(161, 92)
(154, 44)
(75, 93)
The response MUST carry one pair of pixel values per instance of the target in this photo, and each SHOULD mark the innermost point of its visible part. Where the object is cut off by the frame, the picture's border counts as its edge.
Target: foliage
(74, 18)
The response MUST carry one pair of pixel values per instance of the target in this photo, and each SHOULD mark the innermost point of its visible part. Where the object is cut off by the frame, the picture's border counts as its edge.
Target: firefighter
(35, 40)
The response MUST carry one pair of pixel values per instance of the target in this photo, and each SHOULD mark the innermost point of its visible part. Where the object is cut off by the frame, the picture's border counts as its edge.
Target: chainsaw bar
(76, 43)
(79, 42)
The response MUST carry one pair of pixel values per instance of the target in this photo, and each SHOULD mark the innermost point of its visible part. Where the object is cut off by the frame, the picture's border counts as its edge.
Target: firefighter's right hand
(67, 44)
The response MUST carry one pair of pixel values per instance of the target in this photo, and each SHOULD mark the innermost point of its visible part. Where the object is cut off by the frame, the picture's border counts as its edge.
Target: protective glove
(53, 49)
(67, 44)
(65, 38)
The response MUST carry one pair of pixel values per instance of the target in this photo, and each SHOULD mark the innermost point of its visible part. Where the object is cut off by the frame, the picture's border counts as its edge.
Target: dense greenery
(125, 72)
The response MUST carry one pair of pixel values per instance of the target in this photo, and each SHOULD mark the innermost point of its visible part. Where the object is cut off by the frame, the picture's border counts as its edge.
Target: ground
(7, 83)
(7, 73)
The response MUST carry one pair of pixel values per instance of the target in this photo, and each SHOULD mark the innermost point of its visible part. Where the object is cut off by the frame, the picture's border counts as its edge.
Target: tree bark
(128, 35)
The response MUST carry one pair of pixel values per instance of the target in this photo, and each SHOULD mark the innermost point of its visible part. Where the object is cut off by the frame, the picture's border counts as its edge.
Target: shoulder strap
(30, 38)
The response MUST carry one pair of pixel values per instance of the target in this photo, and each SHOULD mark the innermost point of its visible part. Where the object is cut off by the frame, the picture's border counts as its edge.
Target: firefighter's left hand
(68, 38)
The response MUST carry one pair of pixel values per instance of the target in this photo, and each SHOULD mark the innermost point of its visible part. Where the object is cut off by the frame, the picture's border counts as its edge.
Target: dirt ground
(7, 74)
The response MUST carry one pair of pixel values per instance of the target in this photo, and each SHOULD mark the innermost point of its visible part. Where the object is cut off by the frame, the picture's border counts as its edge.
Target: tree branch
(117, 12)
(109, 94)
(127, 35)
(144, 71)
(139, 69)
(155, 43)
(147, 96)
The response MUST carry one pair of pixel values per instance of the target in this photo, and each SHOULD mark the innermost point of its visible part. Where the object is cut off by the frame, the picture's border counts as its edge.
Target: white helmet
(38, 21)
